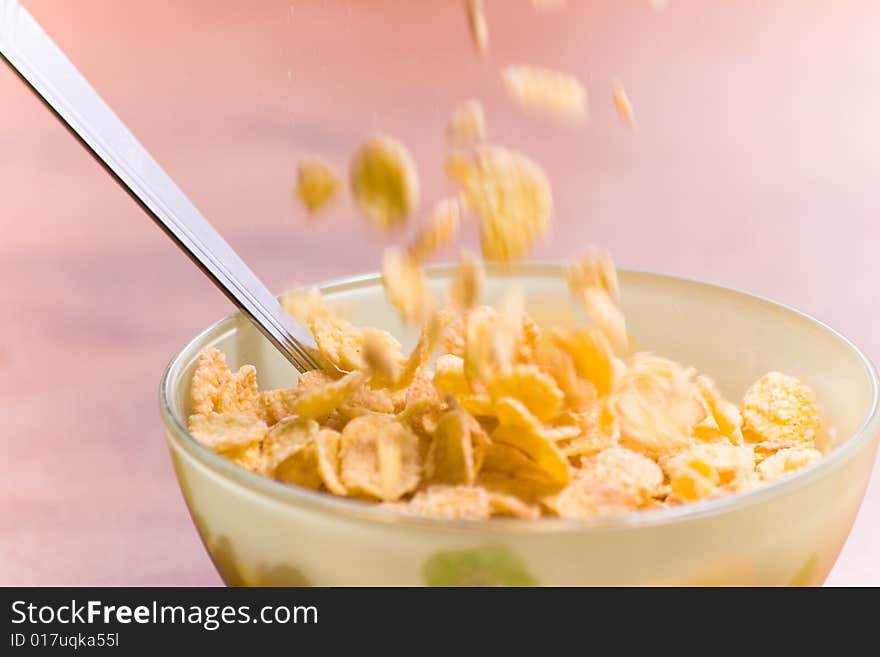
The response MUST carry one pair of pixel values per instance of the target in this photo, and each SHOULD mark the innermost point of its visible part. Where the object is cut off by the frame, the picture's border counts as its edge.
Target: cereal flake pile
(510, 419)
(491, 414)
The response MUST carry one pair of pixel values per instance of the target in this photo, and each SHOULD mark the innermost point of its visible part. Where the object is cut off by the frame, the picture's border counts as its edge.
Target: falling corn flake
(547, 92)
(467, 125)
(477, 22)
(622, 103)
(384, 181)
(593, 269)
(381, 354)
(406, 286)
(467, 283)
(316, 183)
(439, 229)
(512, 197)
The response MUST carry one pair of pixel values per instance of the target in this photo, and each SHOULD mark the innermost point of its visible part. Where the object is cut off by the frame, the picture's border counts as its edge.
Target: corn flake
(613, 481)
(477, 23)
(787, 461)
(379, 458)
(384, 181)
(405, 285)
(547, 92)
(512, 197)
(319, 403)
(780, 408)
(225, 431)
(467, 125)
(441, 227)
(534, 388)
(451, 455)
(316, 183)
(622, 104)
(451, 502)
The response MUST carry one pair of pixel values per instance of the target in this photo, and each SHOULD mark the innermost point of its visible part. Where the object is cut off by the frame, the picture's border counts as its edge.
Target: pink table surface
(755, 166)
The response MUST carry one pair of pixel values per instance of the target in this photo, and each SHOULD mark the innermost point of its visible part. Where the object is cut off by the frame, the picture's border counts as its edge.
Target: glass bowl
(261, 532)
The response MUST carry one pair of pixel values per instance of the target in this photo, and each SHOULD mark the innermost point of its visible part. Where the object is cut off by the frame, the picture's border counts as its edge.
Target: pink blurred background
(754, 166)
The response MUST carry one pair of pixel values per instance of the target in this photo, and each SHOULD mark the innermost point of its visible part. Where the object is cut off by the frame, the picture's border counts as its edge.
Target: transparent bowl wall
(260, 532)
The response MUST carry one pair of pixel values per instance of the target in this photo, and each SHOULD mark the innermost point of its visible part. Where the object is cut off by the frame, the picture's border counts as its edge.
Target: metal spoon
(44, 68)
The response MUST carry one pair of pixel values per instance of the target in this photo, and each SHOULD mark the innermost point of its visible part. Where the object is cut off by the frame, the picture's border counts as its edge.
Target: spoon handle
(44, 68)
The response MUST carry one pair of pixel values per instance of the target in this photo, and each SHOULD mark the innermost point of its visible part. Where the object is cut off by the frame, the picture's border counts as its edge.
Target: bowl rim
(359, 510)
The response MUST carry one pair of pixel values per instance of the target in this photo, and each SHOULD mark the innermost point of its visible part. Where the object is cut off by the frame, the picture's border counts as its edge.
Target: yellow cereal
(579, 393)
(787, 461)
(451, 502)
(507, 469)
(304, 304)
(225, 431)
(432, 333)
(327, 457)
(285, 438)
(622, 104)
(539, 448)
(613, 481)
(547, 92)
(477, 23)
(451, 455)
(210, 377)
(607, 316)
(384, 182)
(405, 285)
(278, 404)
(459, 166)
(379, 458)
(510, 420)
(599, 431)
(319, 403)
(705, 470)
(467, 125)
(214, 389)
(657, 406)
(453, 338)
(779, 408)
(339, 341)
(725, 414)
(591, 356)
(249, 457)
(449, 376)
(440, 228)
(512, 197)
(300, 467)
(381, 354)
(478, 354)
(534, 388)
(316, 183)
(594, 269)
